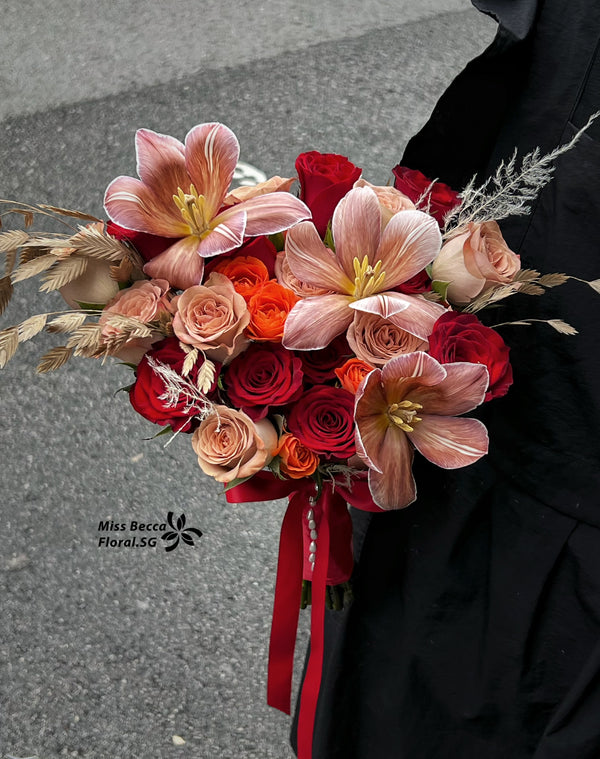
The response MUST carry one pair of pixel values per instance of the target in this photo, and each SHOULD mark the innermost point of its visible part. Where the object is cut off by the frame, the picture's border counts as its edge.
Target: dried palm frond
(64, 272)
(32, 326)
(54, 359)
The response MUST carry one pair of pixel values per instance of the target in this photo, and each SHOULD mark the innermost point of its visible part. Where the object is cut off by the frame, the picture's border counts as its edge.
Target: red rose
(324, 180)
(416, 285)
(413, 184)
(462, 337)
(319, 366)
(323, 420)
(145, 393)
(147, 245)
(265, 375)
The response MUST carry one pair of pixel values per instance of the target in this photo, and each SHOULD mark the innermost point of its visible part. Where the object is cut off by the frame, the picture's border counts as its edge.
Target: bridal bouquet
(308, 345)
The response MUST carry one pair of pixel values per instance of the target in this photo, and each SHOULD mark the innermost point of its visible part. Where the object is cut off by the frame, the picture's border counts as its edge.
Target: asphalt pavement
(111, 652)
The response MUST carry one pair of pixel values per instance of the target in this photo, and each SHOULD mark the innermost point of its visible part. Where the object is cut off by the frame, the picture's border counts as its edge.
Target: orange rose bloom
(247, 273)
(296, 459)
(269, 308)
(352, 373)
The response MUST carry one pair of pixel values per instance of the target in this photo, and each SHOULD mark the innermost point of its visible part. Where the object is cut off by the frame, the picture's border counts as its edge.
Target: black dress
(475, 630)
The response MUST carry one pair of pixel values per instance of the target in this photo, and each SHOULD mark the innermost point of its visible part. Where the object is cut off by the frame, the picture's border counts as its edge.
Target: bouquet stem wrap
(333, 565)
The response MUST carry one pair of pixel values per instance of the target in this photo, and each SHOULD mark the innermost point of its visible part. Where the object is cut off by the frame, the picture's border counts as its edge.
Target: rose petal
(450, 442)
(314, 322)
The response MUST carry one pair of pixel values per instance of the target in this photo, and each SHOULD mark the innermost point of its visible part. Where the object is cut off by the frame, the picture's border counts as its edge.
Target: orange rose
(352, 373)
(246, 273)
(296, 459)
(269, 308)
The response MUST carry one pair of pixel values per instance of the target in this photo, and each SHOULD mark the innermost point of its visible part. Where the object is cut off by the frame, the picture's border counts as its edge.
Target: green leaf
(124, 389)
(278, 240)
(429, 270)
(91, 306)
(328, 240)
(235, 483)
(126, 363)
(168, 430)
(441, 288)
(275, 467)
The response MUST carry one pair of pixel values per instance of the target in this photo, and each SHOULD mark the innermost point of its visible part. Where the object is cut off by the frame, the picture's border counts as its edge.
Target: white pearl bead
(313, 535)
(312, 524)
(312, 547)
(311, 558)
(310, 514)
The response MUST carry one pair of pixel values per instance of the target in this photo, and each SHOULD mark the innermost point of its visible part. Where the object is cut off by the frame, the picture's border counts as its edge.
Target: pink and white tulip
(413, 402)
(182, 193)
(366, 265)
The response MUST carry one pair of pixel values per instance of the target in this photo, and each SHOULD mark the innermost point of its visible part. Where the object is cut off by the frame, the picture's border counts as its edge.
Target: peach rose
(230, 446)
(297, 460)
(391, 200)
(352, 373)
(376, 340)
(287, 279)
(274, 184)
(212, 317)
(475, 260)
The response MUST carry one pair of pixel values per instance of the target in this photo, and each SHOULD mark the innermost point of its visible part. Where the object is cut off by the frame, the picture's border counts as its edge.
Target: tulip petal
(414, 365)
(211, 155)
(161, 164)
(462, 390)
(227, 232)
(313, 262)
(409, 243)
(180, 264)
(132, 205)
(408, 312)
(356, 228)
(450, 267)
(273, 212)
(314, 322)
(450, 442)
(395, 487)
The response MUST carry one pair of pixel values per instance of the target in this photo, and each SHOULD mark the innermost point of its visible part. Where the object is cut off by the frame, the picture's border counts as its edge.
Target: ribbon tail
(312, 680)
(286, 607)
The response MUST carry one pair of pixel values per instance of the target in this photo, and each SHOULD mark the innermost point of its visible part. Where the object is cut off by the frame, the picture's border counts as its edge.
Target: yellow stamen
(192, 208)
(404, 414)
(368, 279)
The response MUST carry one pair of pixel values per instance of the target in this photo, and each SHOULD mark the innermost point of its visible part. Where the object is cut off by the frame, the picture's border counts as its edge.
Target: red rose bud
(147, 245)
(266, 375)
(319, 366)
(462, 337)
(324, 180)
(145, 393)
(412, 183)
(323, 420)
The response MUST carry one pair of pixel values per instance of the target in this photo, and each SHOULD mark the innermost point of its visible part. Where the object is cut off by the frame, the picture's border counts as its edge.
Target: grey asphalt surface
(108, 653)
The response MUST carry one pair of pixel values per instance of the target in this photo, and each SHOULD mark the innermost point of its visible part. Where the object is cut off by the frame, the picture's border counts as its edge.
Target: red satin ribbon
(333, 565)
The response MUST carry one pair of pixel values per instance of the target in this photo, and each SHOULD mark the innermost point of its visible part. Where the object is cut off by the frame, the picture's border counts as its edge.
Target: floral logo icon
(179, 530)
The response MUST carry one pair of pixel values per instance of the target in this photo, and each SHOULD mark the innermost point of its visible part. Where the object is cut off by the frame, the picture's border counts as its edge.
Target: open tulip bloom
(182, 193)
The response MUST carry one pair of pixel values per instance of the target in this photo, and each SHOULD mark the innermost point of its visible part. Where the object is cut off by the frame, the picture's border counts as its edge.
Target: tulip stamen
(192, 208)
(404, 414)
(368, 279)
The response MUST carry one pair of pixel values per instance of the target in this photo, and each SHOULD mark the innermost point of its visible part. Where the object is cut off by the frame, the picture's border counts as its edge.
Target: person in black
(475, 629)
